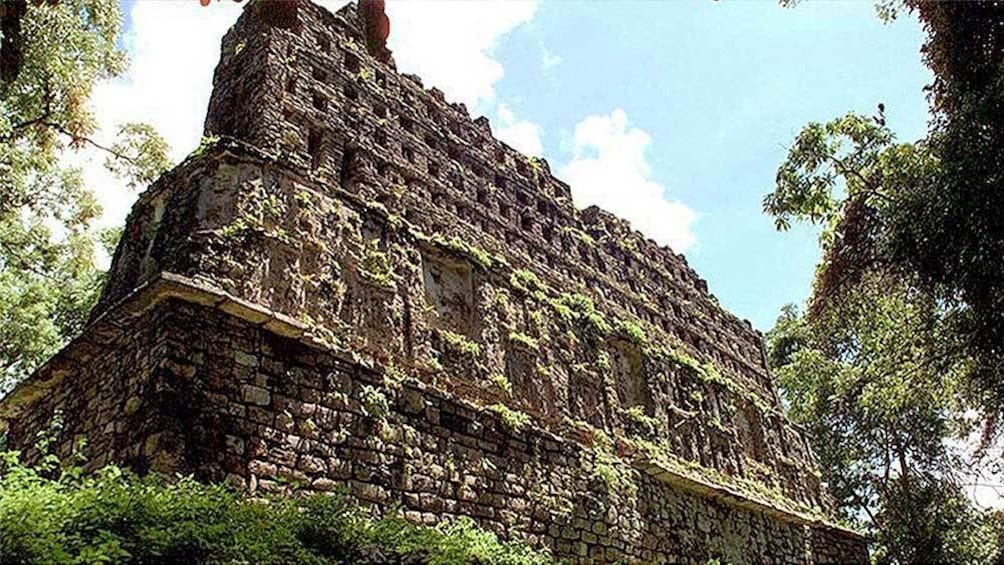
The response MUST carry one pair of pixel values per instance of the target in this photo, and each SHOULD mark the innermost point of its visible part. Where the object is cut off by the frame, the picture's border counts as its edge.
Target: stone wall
(449, 313)
(311, 95)
(356, 285)
(241, 397)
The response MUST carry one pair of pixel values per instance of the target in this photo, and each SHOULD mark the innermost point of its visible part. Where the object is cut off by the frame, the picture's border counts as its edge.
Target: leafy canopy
(52, 515)
(52, 55)
(899, 354)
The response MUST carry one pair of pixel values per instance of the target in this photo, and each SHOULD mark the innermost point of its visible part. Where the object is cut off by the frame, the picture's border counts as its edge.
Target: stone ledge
(737, 498)
(167, 286)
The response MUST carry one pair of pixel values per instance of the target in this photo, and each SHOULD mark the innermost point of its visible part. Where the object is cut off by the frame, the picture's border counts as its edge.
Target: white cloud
(450, 43)
(168, 86)
(174, 47)
(609, 168)
(521, 134)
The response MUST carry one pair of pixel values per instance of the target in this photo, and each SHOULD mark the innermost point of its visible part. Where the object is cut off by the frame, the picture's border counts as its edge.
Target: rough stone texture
(229, 400)
(331, 293)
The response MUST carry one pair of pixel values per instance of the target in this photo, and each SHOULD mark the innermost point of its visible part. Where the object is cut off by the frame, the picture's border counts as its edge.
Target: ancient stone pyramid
(352, 283)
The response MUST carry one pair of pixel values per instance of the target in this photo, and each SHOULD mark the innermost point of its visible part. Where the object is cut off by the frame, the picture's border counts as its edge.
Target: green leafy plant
(374, 401)
(524, 340)
(526, 281)
(64, 516)
(460, 344)
(633, 331)
(502, 383)
(514, 419)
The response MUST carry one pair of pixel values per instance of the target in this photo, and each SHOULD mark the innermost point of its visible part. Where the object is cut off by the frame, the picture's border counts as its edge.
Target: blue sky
(722, 88)
(672, 114)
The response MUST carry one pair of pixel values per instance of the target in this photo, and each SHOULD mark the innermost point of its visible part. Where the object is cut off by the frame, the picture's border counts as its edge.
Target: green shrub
(112, 516)
(524, 340)
(514, 419)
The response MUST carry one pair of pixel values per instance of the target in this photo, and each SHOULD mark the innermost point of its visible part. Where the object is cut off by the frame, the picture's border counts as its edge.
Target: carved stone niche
(629, 377)
(750, 432)
(586, 399)
(449, 290)
(534, 389)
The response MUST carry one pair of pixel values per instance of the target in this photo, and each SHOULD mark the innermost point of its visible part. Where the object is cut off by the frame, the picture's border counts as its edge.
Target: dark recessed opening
(351, 63)
(315, 147)
(345, 175)
(319, 101)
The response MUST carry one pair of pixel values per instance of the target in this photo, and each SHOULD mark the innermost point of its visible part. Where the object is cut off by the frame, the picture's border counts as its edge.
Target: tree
(51, 56)
(931, 211)
(875, 381)
(903, 337)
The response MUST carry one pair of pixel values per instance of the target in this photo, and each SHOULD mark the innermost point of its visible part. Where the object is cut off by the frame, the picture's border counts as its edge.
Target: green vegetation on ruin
(512, 418)
(526, 281)
(375, 265)
(65, 516)
(502, 383)
(524, 340)
(460, 344)
(633, 331)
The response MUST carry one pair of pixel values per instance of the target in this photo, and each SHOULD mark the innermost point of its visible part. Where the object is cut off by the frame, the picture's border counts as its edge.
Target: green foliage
(461, 344)
(579, 235)
(48, 273)
(879, 394)
(115, 517)
(502, 383)
(644, 423)
(524, 340)
(603, 360)
(375, 265)
(616, 475)
(480, 256)
(927, 212)
(821, 156)
(514, 419)
(205, 144)
(574, 306)
(929, 520)
(903, 339)
(139, 155)
(375, 402)
(526, 281)
(633, 331)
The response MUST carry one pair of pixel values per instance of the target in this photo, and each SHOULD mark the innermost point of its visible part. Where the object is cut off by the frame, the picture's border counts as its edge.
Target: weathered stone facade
(356, 285)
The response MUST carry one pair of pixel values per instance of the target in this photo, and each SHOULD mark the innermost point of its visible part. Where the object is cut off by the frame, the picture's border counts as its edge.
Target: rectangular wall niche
(449, 290)
(632, 390)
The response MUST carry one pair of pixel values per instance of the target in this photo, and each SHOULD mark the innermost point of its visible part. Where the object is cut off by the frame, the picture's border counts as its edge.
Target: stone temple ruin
(351, 284)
